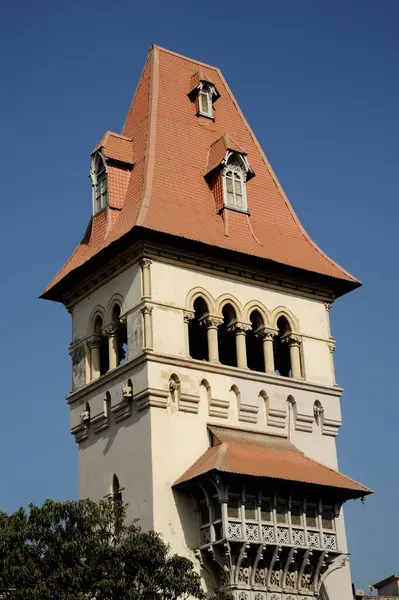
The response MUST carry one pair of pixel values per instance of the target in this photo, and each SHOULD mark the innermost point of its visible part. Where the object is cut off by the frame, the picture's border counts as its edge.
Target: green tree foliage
(83, 550)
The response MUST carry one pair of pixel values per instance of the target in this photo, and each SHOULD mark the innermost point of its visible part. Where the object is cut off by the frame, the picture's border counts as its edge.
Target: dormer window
(234, 183)
(205, 99)
(203, 93)
(99, 178)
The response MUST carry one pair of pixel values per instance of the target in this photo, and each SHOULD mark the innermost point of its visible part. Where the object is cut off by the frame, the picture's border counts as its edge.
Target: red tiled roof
(218, 150)
(167, 192)
(116, 147)
(261, 455)
(199, 76)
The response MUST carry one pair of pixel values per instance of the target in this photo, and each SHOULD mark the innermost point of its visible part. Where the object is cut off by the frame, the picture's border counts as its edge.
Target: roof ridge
(151, 136)
(277, 183)
(187, 58)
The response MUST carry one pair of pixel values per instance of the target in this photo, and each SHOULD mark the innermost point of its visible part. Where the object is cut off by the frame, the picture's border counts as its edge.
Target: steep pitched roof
(167, 191)
(261, 455)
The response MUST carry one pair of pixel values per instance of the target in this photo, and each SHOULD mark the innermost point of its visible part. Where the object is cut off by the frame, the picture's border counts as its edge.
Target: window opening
(281, 512)
(204, 512)
(254, 343)
(197, 335)
(296, 515)
(265, 510)
(282, 360)
(121, 335)
(226, 337)
(250, 508)
(327, 518)
(100, 184)
(311, 516)
(233, 507)
(205, 100)
(104, 356)
(234, 182)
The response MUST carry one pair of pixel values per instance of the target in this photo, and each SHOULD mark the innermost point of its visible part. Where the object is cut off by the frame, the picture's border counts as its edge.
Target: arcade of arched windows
(107, 343)
(263, 342)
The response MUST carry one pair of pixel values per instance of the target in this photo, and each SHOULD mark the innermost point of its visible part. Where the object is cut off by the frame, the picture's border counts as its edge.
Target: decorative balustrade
(270, 534)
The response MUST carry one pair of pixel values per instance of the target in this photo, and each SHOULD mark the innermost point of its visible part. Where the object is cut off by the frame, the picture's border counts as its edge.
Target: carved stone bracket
(331, 345)
(188, 315)
(239, 327)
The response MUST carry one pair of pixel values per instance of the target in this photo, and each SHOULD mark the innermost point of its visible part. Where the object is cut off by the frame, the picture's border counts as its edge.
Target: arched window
(234, 178)
(318, 412)
(226, 337)
(103, 341)
(255, 357)
(205, 99)
(175, 389)
(121, 335)
(282, 360)
(197, 336)
(98, 176)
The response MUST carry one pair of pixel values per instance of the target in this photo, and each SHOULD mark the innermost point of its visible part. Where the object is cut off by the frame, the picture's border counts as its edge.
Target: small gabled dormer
(227, 174)
(111, 163)
(204, 94)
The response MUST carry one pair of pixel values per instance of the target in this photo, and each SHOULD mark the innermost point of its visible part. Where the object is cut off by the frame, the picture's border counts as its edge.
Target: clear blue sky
(318, 82)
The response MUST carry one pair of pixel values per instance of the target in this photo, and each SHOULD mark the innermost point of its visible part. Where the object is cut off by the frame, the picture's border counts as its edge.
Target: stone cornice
(151, 251)
(199, 365)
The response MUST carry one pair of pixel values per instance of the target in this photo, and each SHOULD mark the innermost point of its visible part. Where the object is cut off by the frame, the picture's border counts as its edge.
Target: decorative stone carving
(111, 329)
(188, 315)
(292, 339)
(265, 333)
(145, 263)
(174, 385)
(146, 309)
(331, 345)
(127, 392)
(318, 411)
(85, 414)
(240, 328)
(94, 341)
(210, 322)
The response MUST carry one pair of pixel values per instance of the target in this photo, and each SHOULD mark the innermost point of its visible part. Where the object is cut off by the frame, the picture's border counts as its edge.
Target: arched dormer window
(99, 179)
(206, 95)
(234, 183)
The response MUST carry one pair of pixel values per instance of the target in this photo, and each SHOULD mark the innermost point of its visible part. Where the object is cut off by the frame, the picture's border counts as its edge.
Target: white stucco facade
(151, 439)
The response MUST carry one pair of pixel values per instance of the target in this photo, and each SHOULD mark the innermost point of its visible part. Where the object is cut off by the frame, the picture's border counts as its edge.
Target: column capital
(188, 315)
(292, 339)
(145, 263)
(240, 327)
(266, 333)
(211, 322)
(146, 309)
(111, 329)
(94, 341)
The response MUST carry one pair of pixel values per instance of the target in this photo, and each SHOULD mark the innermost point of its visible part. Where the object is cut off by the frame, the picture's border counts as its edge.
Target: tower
(203, 384)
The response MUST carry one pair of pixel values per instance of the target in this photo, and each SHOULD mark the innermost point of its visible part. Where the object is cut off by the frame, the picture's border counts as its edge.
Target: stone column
(294, 342)
(212, 324)
(146, 311)
(331, 347)
(267, 335)
(240, 330)
(95, 363)
(146, 278)
(111, 331)
(188, 316)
